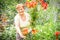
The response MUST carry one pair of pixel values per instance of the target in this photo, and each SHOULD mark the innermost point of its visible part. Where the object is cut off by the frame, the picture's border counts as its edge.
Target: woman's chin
(21, 13)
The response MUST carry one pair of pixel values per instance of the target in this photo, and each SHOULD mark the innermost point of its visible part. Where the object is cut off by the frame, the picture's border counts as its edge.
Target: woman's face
(20, 9)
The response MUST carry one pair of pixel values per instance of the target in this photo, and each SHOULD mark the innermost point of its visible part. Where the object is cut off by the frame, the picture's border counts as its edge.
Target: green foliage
(9, 33)
(45, 22)
(42, 20)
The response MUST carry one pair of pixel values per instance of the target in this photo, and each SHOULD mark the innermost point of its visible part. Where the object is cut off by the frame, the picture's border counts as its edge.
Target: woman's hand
(23, 37)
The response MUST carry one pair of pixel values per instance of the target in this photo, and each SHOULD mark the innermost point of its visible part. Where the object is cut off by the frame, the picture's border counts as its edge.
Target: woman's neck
(23, 16)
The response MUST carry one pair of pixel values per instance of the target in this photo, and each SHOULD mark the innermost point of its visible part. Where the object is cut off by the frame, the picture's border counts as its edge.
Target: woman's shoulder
(17, 16)
(27, 14)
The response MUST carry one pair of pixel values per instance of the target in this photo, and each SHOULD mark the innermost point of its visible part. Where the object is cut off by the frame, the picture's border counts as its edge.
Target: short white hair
(19, 5)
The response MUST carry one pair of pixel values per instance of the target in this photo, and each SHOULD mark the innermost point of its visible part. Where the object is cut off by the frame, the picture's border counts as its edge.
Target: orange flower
(41, 1)
(31, 4)
(25, 31)
(4, 19)
(34, 31)
(34, 4)
(28, 4)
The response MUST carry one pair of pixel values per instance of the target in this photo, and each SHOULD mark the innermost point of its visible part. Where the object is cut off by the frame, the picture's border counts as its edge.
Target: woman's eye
(20, 9)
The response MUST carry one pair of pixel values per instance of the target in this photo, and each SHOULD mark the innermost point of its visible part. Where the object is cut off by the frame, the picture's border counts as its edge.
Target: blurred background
(46, 27)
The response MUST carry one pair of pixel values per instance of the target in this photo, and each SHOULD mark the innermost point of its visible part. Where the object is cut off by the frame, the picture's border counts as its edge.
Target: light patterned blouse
(19, 22)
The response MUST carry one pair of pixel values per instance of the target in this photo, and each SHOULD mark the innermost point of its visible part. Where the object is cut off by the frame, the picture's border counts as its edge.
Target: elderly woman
(21, 20)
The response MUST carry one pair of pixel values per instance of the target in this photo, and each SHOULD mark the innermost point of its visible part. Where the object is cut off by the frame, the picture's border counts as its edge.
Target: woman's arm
(17, 26)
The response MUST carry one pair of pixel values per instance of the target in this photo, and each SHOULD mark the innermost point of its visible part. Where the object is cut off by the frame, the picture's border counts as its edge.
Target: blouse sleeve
(29, 17)
(16, 21)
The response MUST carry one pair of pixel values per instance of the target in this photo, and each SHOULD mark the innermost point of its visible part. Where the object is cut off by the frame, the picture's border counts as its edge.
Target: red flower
(57, 33)
(44, 5)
